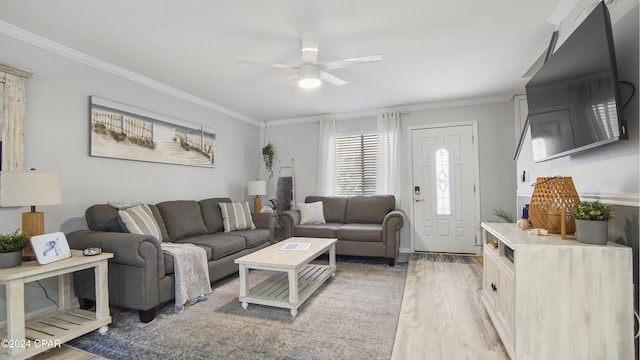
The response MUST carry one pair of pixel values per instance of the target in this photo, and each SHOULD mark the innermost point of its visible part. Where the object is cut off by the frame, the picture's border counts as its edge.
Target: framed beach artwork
(125, 132)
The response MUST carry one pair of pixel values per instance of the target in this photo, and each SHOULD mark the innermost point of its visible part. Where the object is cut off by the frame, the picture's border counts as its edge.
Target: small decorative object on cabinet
(592, 222)
(538, 291)
(11, 246)
(550, 196)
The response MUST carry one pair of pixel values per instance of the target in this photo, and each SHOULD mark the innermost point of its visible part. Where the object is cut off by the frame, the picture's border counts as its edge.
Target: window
(356, 157)
(443, 183)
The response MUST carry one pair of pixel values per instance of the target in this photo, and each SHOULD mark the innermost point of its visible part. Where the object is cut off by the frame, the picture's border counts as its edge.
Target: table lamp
(257, 188)
(30, 188)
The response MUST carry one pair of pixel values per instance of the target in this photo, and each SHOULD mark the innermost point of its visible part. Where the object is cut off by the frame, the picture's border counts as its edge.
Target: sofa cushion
(311, 213)
(183, 218)
(211, 213)
(253, 238)
(334, 207)
(160, 221)
(236, 216)
(360, 232)
(218, 245)
(102, 217)
(139, 220)
(317, 230)
(369, 209)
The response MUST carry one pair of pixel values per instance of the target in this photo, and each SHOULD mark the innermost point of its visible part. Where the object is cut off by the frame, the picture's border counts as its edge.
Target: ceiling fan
(310, 73)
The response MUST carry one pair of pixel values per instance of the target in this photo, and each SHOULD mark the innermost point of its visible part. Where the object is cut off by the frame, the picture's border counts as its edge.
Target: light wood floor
(65, 353)
(442, 316)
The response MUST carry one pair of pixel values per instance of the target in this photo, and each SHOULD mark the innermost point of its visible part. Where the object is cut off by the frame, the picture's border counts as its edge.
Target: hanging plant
(267, 155)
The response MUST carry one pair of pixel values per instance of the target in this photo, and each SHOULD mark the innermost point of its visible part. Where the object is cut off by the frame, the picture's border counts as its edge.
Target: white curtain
(388, 177)
(327, 156)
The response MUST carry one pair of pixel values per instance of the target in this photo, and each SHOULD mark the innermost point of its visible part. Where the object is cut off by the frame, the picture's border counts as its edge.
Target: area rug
(352, 316)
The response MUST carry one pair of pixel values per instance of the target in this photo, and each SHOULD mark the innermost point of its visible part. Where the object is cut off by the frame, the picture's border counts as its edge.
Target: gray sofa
(140, 275)
(363, 225)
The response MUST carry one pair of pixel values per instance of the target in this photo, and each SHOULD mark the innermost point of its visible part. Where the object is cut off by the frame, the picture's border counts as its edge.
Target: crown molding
(75, 55)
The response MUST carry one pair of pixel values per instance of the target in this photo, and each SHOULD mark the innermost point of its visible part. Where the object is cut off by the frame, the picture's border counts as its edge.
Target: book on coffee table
(296, 246)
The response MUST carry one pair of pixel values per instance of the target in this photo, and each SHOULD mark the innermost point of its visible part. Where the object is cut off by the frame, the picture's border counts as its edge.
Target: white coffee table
(295, 279)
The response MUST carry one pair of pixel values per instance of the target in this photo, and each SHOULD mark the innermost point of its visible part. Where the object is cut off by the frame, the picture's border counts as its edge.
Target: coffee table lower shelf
(275, 290)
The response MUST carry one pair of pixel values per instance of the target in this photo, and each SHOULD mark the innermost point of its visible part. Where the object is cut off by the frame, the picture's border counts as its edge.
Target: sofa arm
(391, 224)
(128, 249)
(288, 220)
(266, 221)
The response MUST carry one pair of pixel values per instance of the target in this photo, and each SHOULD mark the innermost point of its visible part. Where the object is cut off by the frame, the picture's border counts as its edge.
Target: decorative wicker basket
(550, 196)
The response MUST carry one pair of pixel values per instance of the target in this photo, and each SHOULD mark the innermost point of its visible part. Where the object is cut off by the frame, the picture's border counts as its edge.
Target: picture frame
(50, 247)
(124, 132)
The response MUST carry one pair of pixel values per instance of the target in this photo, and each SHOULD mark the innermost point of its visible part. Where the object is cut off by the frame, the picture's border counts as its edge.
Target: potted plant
(504, 215)
(11, 246)
(267, 155)
(592, 222)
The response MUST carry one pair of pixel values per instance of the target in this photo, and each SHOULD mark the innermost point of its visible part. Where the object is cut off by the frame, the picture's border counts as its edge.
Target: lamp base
(257, 206)
(32, 225)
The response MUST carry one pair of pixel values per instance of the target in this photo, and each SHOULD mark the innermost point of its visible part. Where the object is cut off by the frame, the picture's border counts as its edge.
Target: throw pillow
(236, 216)
(139, 220)
(311, 213)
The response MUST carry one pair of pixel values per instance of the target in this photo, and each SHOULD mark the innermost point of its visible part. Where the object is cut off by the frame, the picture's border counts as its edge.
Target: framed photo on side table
(50, 247)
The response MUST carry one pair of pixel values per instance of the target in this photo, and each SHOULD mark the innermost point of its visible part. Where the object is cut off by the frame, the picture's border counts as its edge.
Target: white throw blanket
(190, 270)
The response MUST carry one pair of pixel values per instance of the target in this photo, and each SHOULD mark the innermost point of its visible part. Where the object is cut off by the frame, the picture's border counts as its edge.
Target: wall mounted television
(574, 102)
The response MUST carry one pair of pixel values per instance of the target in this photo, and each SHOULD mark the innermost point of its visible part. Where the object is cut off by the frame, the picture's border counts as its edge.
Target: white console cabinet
(550, 298)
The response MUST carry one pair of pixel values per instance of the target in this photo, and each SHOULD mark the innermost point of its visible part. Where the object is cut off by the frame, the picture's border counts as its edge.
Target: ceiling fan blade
(326, 77)
(348, 62)
(266, 63)
(309, 45)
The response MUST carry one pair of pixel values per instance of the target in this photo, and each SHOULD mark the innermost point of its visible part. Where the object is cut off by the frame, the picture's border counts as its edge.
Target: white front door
(444, 199)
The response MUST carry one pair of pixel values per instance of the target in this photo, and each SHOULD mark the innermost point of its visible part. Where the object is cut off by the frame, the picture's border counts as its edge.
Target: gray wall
(57, 139)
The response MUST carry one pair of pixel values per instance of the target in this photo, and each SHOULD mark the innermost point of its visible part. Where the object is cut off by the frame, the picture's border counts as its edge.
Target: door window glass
(443, 182)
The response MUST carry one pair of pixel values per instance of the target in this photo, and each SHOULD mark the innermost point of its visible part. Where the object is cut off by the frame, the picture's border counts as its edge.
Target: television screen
(573, 99)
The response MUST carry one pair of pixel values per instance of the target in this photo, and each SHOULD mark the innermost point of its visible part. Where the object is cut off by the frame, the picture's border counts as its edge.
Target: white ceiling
(431, 51)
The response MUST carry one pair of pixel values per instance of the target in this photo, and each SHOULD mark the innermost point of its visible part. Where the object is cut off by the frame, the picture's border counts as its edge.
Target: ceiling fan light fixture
(309, 76)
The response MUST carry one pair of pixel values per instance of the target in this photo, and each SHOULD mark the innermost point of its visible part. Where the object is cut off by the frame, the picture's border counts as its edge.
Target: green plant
(267, 155)
(13, 242)
(504, 215)
(587, 210)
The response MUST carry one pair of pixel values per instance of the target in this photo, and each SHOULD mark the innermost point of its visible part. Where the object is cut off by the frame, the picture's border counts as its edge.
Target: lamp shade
(30, 188)
(257, 187)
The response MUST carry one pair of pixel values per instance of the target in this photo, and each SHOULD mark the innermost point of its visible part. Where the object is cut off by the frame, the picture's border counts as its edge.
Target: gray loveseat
(363, 225)
(140, 275)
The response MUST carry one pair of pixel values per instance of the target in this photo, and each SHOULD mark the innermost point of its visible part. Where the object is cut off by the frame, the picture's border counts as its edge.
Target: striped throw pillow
(139, 220)
(236, 216)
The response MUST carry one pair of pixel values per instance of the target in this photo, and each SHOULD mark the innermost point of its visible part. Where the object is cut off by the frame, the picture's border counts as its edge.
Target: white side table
(22, 340)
